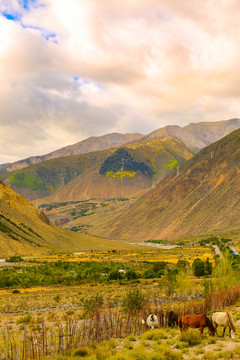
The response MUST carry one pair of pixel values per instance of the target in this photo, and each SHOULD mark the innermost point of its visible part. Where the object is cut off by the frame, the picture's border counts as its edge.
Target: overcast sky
(70, 69)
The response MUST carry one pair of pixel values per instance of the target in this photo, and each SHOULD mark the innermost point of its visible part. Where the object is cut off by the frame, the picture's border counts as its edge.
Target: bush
(16, 291)
(192, 337)
(131, 274)
(24, 319)
(14, 259)
(81, 352)
(156, 334)
(134, 300)
(92, 303)
(115, 275)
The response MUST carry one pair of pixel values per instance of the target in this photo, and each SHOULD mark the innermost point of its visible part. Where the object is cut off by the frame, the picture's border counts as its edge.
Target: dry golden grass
(150, 255)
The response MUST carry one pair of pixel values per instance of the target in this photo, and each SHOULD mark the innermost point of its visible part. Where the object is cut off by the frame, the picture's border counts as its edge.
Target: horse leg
(224, 330)
(216, 325)
(229, 331)
(201, 329)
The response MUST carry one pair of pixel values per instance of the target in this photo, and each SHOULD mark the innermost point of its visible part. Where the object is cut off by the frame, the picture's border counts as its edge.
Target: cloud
(73, 69)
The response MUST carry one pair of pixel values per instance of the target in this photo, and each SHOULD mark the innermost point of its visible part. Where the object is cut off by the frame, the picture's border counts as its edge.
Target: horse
(152, 321)
(224, 319)
(196, 321)
(172, 319)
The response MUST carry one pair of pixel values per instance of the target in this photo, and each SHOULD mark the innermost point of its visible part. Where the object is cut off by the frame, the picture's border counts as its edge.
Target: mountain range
(204, 196)
(94, 143)
(66, 177)
(186, 191)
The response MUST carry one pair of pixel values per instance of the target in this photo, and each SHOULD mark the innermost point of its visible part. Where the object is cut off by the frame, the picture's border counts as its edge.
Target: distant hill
(25, 230)
(150, 161)
(79, 177)
(4, 165)
(94, 143)
(196, 135)
(204, 196)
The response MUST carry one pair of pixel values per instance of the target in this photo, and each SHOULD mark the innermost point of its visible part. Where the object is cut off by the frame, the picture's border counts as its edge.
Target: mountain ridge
(205, 195)
(91, 144)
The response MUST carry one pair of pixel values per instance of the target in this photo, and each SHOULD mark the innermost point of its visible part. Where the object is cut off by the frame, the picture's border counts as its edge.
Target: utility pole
(121, 177)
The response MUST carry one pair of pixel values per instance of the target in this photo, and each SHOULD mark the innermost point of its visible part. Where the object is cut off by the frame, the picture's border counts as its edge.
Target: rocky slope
(196, 135)
(204, 196)
(25, 230)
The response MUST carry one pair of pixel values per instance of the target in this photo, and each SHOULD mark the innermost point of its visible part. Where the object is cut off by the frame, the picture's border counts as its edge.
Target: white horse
(224, 319)
(152, 321)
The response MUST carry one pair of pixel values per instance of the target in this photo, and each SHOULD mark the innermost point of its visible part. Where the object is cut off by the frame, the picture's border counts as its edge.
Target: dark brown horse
(196, 321)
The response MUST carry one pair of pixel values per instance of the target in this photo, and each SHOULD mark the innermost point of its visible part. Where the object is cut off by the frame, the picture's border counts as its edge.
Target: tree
(208, 267)
(134, 301)
(169, 282)
(198, 267)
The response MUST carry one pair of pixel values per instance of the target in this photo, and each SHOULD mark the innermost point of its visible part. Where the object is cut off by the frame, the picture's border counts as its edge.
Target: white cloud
(76, 68)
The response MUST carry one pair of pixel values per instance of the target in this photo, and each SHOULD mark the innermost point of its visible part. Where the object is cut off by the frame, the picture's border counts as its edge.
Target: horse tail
(209, 324)
(231, 322)
(180, 323)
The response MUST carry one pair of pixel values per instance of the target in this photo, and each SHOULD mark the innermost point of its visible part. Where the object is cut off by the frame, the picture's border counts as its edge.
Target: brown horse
(196, 321)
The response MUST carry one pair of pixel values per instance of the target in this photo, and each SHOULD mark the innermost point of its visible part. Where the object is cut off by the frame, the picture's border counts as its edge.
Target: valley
(112, 236)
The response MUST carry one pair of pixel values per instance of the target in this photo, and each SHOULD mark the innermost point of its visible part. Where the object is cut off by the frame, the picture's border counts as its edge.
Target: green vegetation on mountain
(122, 160)
(120, 174)
(19, 179)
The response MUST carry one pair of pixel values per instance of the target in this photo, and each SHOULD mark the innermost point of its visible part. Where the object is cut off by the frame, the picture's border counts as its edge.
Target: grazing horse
(152, 321)
(172, 319)
(224, 319)
(196, 321)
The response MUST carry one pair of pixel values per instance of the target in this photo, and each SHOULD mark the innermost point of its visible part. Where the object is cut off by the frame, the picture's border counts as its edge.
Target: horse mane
(210, 324)
(231, 322)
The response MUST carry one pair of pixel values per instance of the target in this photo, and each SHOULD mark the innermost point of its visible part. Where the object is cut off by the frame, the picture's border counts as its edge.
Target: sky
(71, 69)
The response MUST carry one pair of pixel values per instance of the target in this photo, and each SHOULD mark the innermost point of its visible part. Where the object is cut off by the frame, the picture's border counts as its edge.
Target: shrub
(14, 259)
(16, 291)
(156, 334)
(24, 319)
(81, 352)
(131, 274)
(92, 303)
(192, 337)
(209, 355)
(134, 300)
(57, 298)
(115, 275)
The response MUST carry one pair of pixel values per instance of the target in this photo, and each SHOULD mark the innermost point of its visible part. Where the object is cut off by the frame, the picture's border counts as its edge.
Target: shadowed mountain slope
(205, 195)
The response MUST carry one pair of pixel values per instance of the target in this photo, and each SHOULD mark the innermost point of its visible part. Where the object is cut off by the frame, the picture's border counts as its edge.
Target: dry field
(171, 255)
